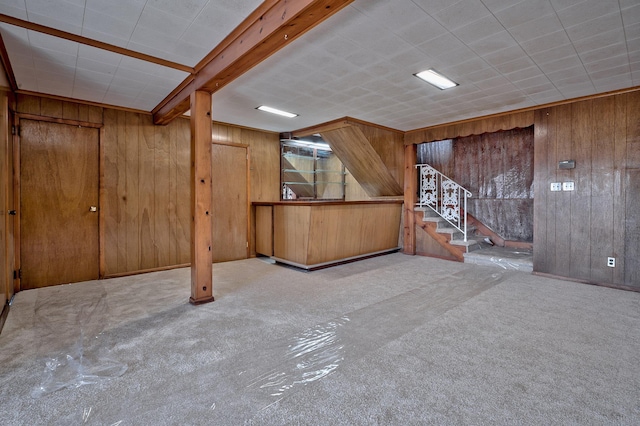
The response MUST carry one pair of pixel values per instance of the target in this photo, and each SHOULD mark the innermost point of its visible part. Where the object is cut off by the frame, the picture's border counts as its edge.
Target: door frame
(16, 185)
(248, 171)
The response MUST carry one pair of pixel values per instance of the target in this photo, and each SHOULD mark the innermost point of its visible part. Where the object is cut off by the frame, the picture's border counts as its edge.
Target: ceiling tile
(578, 73)
(603, 53)
(586, 11)
(595, 26)
(534, 28)
(14, 8)
(554, 54)
(392, 15)
(122, 10)
(522, 74)
(605, 39)
(631, 14)
(55, 10)
(546, 42)
(560, 64)
(461, 13)
(440, 45)
(523, 12)
(493, 43)
(510, 54)
(187, 9)
(614, 83)
(157, 20)
(106, 24)
(476, 30)
(419, 32)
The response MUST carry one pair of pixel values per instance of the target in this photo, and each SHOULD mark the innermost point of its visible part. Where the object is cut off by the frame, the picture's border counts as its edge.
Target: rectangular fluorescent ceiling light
(276, 111)
(438, 80)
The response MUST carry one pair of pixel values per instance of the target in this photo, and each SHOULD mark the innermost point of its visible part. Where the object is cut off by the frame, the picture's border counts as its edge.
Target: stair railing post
(465, 216)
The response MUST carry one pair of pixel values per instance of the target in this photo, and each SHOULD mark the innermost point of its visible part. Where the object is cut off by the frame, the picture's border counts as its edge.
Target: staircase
(441, 211)
(450, 238)
(443, 204)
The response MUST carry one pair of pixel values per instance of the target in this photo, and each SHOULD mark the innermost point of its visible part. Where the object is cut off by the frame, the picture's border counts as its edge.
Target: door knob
(93, 209)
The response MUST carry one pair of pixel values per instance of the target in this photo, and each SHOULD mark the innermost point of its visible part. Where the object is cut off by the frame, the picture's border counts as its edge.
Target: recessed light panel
(276, 111)
(438, 80)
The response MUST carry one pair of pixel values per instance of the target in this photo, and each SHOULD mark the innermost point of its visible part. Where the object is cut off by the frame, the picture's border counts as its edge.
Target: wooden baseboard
(577, 280)
(145, 271)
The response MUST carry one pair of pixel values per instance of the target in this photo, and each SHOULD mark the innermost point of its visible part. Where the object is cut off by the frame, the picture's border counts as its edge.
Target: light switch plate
(556, 186)
(568, 186)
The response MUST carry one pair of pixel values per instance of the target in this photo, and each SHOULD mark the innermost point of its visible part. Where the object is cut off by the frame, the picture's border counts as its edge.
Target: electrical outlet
(556, 186)
(611, 262)
(568, 186)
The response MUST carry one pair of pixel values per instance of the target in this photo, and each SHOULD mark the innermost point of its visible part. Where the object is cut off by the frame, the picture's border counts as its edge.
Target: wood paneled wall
(146, 204)
(390, 147)
(146, 180)
(497, 168)
(358, 155)
(575, 232)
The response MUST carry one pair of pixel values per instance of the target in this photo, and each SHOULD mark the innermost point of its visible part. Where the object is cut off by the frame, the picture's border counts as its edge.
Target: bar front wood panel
(291, 232)
(318, 233)
(576, 231)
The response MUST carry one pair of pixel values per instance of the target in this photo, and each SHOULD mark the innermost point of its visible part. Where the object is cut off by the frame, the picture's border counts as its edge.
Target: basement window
(309, 170)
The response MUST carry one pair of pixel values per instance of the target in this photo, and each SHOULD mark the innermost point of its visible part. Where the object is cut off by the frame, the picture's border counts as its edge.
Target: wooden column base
(201, 301)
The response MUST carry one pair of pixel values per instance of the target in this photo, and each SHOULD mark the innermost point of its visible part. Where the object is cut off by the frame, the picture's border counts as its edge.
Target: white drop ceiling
(505, 54)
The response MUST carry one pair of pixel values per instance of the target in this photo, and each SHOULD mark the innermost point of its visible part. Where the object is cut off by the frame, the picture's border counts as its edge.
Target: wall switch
(611, 262)
(568, 186)
(556, 186)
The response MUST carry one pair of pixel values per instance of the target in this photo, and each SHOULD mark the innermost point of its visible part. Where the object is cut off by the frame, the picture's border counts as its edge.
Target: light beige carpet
(391, 340)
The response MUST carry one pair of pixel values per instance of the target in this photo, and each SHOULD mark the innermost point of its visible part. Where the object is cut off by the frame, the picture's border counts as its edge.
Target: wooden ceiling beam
(93, 43)
(268, 29)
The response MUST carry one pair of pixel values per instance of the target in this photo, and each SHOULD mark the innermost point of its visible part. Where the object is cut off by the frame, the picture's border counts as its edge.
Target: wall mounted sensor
(567, 164)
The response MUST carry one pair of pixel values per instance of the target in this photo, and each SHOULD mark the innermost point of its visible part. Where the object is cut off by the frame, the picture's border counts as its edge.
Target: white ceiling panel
(360, 63)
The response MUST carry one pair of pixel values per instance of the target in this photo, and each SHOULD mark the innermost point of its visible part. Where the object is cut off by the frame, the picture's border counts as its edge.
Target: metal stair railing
(444, 196)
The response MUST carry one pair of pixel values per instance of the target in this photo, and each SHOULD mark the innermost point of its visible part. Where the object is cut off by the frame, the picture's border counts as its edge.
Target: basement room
(303, 212)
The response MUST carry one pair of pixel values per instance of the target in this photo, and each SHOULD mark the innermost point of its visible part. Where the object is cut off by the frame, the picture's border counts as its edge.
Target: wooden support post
(410, 195)
(201, 257)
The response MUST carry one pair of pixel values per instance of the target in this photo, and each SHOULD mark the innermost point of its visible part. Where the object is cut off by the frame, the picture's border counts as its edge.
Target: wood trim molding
(225, 143)
(82, 102)
(59, 120)
(145, 271)
(93, 43)
(338, 124)
(271, 27)
(17, 284)
(102, 196)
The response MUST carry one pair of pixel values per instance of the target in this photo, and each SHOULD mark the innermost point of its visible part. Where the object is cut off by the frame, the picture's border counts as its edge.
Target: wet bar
(313, 235)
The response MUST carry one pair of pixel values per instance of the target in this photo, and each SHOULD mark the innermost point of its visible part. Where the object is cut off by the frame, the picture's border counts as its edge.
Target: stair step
(469, 245)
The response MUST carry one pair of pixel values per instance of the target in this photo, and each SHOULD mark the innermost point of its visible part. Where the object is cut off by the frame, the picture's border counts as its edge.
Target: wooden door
(230, 202)
(59, 178)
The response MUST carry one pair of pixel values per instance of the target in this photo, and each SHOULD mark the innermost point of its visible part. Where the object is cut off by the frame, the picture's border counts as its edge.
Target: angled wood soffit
(358, 155)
